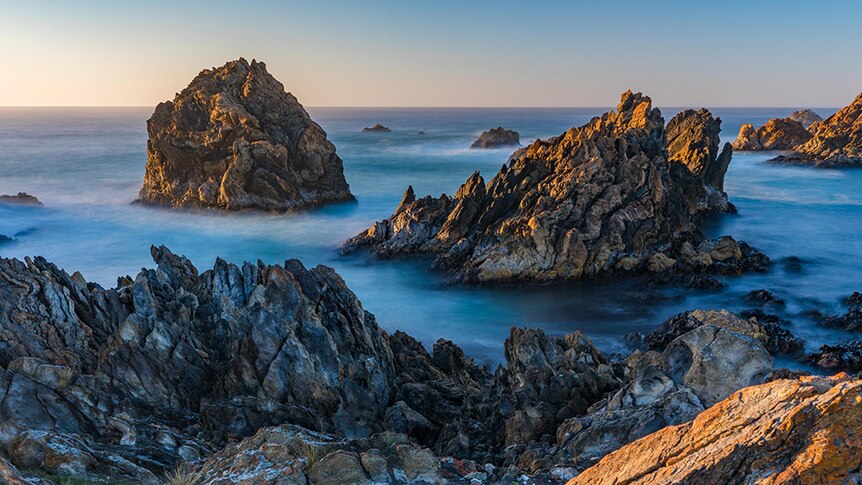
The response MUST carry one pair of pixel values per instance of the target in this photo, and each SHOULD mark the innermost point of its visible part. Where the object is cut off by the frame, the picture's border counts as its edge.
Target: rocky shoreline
(276, 374)
(623, 194)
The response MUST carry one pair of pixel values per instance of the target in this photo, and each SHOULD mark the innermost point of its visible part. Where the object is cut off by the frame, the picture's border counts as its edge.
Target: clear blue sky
(439, 53)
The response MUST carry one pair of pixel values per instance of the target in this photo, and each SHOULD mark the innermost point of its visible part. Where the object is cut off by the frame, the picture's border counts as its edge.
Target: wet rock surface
(802, 430)
(234, 139)
(621, 194)
(497, 138)
(21, 198)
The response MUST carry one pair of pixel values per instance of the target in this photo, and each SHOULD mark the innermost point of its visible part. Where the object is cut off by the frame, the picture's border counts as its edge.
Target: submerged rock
(806, 117)
(234, 139)
(496, 138)
(835, 142)
(621, 194)
(803, 430)
(22, 198)
(776, 134)
(378, 128)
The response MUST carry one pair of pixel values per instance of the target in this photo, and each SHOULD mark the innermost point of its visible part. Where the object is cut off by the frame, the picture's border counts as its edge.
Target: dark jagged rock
(806, 117)
(496, 138)
(22, 198)
(764, 297)
(620, 194)
(835, 142)
(852, 320)
(838, 358)
(378, 128)
(776, 134)
(234, 139)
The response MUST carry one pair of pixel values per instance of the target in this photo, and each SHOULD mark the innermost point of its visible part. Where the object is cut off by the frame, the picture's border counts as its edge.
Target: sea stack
(836, 141)
(377, 128)
(496, 138)
(621, 194)
(234, 139)
(776, 134)
(22, 198)
(806, 117)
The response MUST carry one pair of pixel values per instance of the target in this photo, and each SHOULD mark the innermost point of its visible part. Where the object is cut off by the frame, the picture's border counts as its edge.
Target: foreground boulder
(776, 134)
(835, 142)
(621, 194)
(234, 139)
(496, 138)
(804, 430)
(22, 198)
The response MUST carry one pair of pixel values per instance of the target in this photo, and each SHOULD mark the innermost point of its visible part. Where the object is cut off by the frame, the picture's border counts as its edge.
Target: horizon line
(35, 106)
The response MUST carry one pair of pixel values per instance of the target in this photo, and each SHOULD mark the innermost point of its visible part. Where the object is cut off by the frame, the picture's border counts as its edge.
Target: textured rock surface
(845, 357)
(377, 128)
(852, 319)
(776, 134)
(234, 139)
(620, 194)
(22, 198)
(806, 117)
(496, 138)
(804, 430)
(835, 142)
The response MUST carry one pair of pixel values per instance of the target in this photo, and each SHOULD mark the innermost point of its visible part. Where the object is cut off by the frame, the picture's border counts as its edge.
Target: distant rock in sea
(378, 128)
(420, 133)
(234, 139)
(835, 142)
(5, 239)
(496, 138)
(806, 117)
(776, 134)
(22, 198)
(621, 194)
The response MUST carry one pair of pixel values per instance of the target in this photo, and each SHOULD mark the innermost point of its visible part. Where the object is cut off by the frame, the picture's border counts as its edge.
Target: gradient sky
(439, 53)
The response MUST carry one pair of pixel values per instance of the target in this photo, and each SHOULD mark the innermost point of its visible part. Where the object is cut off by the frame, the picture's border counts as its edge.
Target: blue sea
(87, 164)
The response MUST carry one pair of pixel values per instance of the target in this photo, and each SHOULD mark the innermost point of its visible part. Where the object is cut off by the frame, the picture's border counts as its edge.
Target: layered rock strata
(621, 194)
(234, 139)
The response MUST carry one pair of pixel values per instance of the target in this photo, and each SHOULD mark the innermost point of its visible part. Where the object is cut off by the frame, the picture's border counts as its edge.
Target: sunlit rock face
(776, 134)
(621, 194)
(234, 139)
(802, 430)
(837, 140)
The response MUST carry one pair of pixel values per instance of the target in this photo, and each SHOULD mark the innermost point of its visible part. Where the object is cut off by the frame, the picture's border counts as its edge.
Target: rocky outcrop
(803, 430)
(852, 319)
(22, 198)
(378, 128)
(621, 194)
(776, 134)
(835, 142)
(234, 139)
(845, 357)
(496, 138)
(806, 117)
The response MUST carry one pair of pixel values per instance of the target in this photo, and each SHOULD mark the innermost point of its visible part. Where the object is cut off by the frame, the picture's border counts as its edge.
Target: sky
(462, 53)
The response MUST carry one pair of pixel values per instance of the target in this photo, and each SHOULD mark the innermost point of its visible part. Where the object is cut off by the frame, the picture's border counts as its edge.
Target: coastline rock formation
(496, 138)
(234, 139)
(378, 128)
(776, 134)
(283, 361)
(22, 198)
(835, 142)
(621, 194)
(803, 430)
(806, 117)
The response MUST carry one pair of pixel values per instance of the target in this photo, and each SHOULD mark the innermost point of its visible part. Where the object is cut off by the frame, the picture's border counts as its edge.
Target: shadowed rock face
(496, 138)
(803, 430)
(234, 139)
(776, 134)
(621, 194)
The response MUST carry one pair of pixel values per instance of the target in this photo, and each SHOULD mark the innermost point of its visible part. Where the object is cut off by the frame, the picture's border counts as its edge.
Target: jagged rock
(806, 117)
(764, 297)
(838, 358)
(22, 198)
(852, 320)
(378, 128)
(803, 430)
(776, 134)
(835, 142)
(618, 195)
(496, 138)
(234, 139)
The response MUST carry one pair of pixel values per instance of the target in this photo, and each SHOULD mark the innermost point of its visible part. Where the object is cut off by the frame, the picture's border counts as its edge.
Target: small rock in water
(378, 128)
(764, 297)
(22, 198)
(497, 137)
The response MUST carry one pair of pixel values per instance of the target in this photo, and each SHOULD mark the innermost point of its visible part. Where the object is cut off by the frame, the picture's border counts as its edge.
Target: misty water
(86, 165)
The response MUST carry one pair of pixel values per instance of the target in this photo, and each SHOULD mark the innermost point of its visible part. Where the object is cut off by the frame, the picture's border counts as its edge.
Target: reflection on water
(86, 165)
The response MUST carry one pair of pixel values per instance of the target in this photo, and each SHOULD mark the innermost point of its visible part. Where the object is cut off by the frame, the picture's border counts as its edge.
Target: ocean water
(87, 164)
